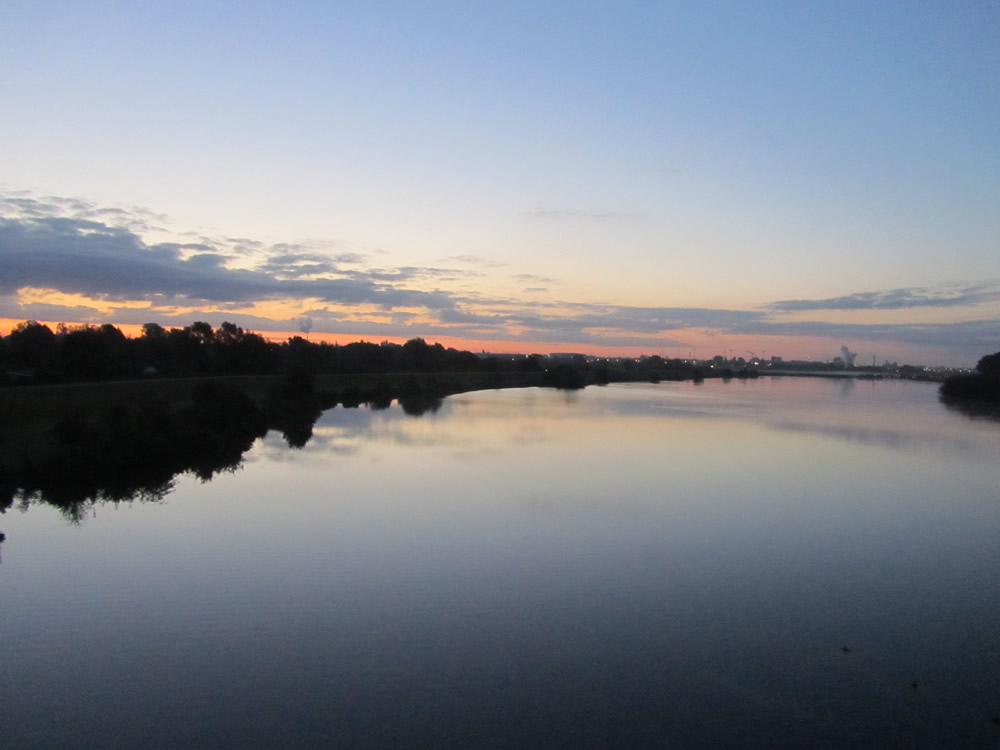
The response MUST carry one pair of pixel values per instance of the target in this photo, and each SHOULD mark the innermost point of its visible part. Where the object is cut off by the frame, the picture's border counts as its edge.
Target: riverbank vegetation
(35, 354)
(87, 413)
(977, 392)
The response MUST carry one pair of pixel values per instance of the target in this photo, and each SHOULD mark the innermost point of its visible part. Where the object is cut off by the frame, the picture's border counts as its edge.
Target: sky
(616, 178)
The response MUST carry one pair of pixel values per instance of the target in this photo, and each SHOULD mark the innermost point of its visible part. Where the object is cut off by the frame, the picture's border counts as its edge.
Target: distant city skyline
(610, 178)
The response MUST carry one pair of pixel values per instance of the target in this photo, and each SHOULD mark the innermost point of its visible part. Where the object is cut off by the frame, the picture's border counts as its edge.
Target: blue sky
(660, 177)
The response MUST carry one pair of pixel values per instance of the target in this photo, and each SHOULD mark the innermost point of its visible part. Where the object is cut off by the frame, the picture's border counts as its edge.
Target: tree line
(34, 353)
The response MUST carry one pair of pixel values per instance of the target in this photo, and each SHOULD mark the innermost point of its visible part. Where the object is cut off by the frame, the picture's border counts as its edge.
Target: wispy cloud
(973, 335)
(474, 260)
(897, 299)
(528, 278)
(23, 203)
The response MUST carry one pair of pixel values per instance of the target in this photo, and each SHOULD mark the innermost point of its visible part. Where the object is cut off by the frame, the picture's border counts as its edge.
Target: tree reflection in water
(417, 406)
(132, 452)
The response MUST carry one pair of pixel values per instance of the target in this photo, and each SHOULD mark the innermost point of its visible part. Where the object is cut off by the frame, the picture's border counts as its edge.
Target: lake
(670, 565)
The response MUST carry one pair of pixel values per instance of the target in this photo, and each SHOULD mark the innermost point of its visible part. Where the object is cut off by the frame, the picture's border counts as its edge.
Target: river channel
(786, 562)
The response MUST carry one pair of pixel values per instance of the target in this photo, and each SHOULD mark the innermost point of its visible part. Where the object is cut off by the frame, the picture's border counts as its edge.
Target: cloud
(474, 260)
(296, 265)
(11, 308)
(412, 273)
(349, 258)
(456, 315)
(971, 336)
(21, 203)
(897, 299)
(640, 319)
(106, 262)
(528, 278)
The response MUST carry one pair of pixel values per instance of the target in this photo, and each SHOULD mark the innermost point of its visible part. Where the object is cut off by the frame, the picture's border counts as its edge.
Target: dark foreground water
(632, 566)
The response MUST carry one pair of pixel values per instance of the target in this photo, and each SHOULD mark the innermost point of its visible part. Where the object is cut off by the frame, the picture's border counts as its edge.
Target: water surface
(670, 565)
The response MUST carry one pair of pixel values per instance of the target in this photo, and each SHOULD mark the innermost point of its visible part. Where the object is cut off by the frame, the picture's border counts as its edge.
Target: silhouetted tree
(89, 353)
(418, 355)
(239, 351)
(460, 361)
(153, 348)
(202, 332)
(153, 331)
(989, 365)
(31, 345)
(532, 363)
(982, 386)
(364, 357)
(564, 376)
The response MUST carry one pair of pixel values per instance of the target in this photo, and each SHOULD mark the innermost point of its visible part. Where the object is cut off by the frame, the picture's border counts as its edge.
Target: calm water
(632, 566)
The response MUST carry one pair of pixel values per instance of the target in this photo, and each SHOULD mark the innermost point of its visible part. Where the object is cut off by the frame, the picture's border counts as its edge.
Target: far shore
(930, 377)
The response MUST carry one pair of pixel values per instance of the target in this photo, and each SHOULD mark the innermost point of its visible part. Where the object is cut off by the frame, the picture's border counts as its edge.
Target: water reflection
(899, 440)
(134, 453)
(136, 456)
(846, 386)
(417, 406)
(977, 411)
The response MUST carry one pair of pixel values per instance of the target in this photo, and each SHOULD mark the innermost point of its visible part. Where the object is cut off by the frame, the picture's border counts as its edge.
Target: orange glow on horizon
(695, 343)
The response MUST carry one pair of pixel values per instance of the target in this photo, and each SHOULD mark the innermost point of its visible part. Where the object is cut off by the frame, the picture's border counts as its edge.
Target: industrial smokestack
(305, 325)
